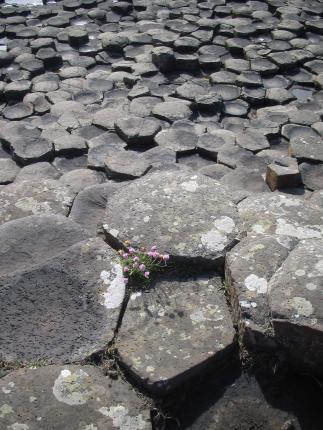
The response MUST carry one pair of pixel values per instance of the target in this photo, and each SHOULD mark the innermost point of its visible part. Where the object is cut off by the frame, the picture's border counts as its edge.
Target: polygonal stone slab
(189, 216)
(248, 269)
(126, 165)
(295, 295)
(25, 198)
(178, 140)
(283, 215)
(137, 131)
(187, 325)
(172, 110)
(73, 397)
(25, 242)
(64, 309)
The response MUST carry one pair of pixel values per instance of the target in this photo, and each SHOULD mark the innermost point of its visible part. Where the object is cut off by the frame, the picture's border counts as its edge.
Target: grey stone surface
(282, 215)
(156, 209)
(312, 175)
(172, 111)
(25, 198)
(70, 145)
(308, 148)
(126, 165)
(37, 171)
(187, 325)
(74, 396)
(78, 291)
(177, 140)
(89, 205)
(79, 179)
(295, 298)
(248, 270)
(24, 242)
(8, 171)
(137, 131)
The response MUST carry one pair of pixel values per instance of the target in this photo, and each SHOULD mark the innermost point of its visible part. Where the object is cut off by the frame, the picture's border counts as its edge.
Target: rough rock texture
(180, 320)
(186, 125)
(295, 295)
(46, 307)
(281, 215)
(25, 198)
(74, 396)
(248, 270)
(155, 209)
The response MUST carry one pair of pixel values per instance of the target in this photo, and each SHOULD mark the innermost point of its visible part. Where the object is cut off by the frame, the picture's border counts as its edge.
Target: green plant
(139, 264)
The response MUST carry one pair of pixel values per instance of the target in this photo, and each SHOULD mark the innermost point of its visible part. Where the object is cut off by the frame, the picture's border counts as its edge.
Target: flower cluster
(139, 264)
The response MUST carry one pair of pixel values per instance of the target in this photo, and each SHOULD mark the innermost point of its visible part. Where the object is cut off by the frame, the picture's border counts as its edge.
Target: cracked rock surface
(193, 126)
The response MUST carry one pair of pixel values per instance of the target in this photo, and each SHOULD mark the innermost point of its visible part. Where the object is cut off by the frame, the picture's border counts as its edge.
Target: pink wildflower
(131, 250)
(146, 274)
(126, 269)
(136, 258)
(153, 248)
(125, 280)
(125, 255)
(135, 264)
(142, 267)
(165, 257)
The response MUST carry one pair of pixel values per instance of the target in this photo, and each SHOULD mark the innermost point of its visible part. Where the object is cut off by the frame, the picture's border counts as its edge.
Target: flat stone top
(174, 330)
(285, 216)
(69, 397)
(187, 215)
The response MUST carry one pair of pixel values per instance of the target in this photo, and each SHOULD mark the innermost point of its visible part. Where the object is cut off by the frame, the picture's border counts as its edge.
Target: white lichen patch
(285, 228)
(121, 420)
(113, 296)
(5, 410)
(300, 272)
(216, 239)
(190, 186)
(302, 306)
(72, 388)
(255, 283)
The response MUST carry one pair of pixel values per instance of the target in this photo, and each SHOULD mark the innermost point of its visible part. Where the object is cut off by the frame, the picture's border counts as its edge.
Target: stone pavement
(195, 126)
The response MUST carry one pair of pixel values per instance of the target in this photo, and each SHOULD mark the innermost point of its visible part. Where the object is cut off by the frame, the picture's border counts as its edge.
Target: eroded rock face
(45, 308)
(74, 396)
(188, 327)
(189, 216)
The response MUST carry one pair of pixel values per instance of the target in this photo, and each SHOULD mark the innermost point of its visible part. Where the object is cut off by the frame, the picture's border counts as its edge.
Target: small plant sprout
(139, 264)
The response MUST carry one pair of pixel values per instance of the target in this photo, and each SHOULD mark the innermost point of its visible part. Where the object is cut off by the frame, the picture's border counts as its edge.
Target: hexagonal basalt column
(189, 216)
(175, 331)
